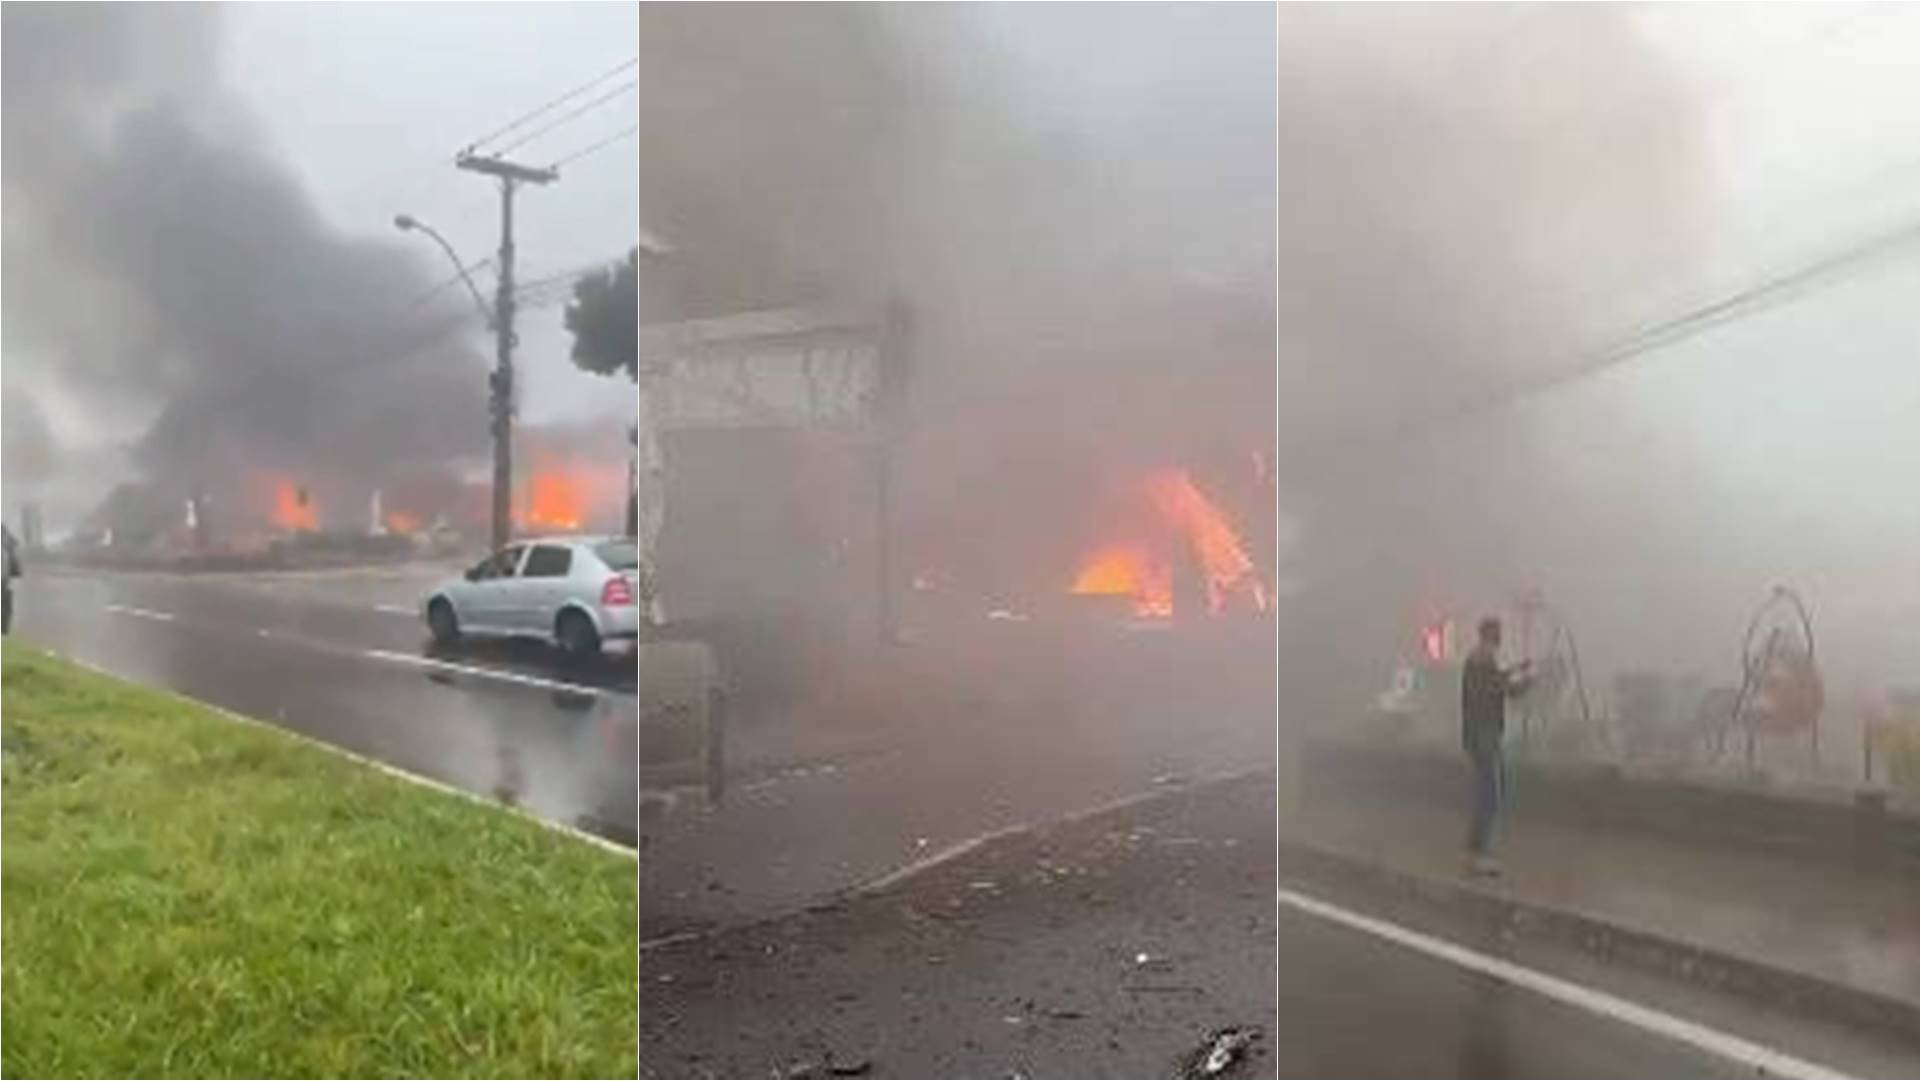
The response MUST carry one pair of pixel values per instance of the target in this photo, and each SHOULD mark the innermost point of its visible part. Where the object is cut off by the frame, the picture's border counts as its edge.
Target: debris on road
(1222, 1050)
(1148, 962)
(831, 1067)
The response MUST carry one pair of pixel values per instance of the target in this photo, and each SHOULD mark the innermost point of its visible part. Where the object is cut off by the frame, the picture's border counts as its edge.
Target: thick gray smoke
(162, 265)
(1081, 203)
(1470, 198)
(1466, 197)
(1478, 197)
(1076, 201)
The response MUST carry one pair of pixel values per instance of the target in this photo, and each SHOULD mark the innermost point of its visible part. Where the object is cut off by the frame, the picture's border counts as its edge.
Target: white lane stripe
(391, 771)
(483, 673)
(1712, 1041)
(967, 845)
(143, 613)
(963, 847)
(674, 939)
(395, 610)
(404, 658)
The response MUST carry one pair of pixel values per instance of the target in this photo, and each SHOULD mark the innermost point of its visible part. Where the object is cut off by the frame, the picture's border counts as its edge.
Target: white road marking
(391, 771)
(964, 846)
(143, 613)
(483, 673)
(395, 610)
(946, 855)
(404, 658)
(1712, 1041)
(1162, 787)
(671, 940)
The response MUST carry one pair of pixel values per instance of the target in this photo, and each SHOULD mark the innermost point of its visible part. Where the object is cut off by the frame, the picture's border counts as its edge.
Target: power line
(1768, 293)
(555, 103)
(579, 154)
(565, 117)
(423, 298)
(568, 276)
(432, 170)
(1765, 294)
(538, 293)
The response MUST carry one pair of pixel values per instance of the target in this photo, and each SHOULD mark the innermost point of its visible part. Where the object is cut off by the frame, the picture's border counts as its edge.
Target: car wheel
(577, 636)
(442, 621)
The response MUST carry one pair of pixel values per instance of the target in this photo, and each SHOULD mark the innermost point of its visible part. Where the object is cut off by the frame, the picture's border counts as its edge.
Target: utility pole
(501, 383)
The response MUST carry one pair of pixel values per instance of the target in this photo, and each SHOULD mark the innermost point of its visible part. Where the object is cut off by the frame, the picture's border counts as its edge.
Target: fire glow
(1144, 572)
(551, 500)
(293, 510)
(571, 494)
(1128, 570)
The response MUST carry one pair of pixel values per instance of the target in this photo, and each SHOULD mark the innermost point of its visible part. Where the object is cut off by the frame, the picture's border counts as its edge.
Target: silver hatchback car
(577, 592)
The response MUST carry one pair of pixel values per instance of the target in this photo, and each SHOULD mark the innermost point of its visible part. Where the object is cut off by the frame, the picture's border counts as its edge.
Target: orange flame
(553, 500)
(1128, 570)
(399, 521)
(292, 509)
(1223, 561)
(1136, 570)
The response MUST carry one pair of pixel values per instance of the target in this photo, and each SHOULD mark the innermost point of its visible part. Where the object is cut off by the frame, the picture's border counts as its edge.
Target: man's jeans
(1490, 787)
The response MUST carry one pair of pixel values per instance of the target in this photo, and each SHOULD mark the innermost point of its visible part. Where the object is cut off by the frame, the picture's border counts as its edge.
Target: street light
(500, 382)
(407, 223)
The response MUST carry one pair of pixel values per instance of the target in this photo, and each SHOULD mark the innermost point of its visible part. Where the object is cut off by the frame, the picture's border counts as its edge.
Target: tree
(604, 318)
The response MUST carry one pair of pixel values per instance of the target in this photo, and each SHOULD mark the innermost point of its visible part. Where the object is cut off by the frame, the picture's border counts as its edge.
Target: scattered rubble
(1222, 1051)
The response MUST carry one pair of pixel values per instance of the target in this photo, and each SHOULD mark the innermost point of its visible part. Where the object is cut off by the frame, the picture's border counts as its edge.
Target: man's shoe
(1485, 865)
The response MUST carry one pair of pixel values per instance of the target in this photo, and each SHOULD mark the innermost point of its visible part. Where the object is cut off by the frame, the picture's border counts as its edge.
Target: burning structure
(573, 479)
(1176, 525)
(894, 390)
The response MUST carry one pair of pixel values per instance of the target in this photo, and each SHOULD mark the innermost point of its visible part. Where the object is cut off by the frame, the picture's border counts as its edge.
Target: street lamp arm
(407, 223)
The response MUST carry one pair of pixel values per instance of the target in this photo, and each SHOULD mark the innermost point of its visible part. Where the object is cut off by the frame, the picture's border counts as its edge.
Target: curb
(1716, 969)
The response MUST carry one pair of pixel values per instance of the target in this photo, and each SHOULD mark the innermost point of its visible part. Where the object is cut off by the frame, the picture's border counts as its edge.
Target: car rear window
(620, 555)
(548, 562)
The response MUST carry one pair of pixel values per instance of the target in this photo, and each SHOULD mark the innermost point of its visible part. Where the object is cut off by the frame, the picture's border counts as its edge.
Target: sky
(370, 102)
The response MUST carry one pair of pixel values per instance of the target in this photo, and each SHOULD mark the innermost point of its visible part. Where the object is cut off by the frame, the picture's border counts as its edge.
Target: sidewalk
(1852, 926)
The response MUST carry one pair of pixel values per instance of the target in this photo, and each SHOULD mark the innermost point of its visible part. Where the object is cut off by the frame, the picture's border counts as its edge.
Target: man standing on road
(1485, 689)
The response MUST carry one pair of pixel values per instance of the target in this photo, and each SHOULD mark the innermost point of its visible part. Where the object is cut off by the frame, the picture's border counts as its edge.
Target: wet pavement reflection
(510, 721)
(613, 670)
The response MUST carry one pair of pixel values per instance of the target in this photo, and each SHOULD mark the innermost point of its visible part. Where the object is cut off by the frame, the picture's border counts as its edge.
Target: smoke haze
(168, 278)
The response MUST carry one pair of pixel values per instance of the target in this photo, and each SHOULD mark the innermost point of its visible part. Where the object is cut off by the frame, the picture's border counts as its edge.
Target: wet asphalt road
(970, 749)
(342, 657)
(1111, 946)
(1060, 837)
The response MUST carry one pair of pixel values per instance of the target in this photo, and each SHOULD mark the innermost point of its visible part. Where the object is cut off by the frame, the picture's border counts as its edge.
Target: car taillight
(616, 593)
